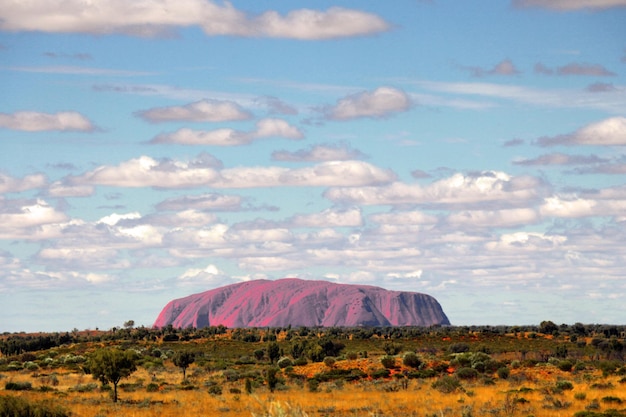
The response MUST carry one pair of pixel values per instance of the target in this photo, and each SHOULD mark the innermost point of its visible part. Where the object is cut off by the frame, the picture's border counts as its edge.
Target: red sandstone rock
(297, 302)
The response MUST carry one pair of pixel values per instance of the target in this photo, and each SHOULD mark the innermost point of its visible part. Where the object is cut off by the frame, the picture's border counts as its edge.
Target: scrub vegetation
(547, 370)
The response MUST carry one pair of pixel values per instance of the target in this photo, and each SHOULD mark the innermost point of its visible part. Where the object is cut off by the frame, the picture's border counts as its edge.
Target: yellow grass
(362, 398)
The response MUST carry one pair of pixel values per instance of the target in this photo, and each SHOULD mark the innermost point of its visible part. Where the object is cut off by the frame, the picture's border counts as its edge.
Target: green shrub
(284, 362)
(564, 385)
(466, 373)
(152, 387)
(388, 362)
(611, 399)
(503, 373)
(565, 366)
(329, 361)
(446, 384)
(411, 360)
(18, 386)
(11, 406)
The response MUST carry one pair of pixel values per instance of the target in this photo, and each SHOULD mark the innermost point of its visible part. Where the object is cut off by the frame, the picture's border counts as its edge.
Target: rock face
(297, 302)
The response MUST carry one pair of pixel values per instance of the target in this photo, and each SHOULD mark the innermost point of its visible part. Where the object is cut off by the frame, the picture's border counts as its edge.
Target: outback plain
(544, 370)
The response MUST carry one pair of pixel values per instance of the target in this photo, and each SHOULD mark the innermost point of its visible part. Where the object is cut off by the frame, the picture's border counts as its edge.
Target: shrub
(352, 356)
(329, 361)
(300, 362)
(466, 373)
(214, 388)
(284, 362)
(380, 373)
(152, 387)
(503, 373)
(564, 385)
(446, 384)
(458, 348)
(18, 386)
(611, 399)
(565, 366)
(21, 407)
(388, 362)
(411, 360)
(392, 348)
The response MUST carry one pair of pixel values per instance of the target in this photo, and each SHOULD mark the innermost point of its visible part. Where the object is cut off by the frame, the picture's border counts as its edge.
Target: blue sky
(154, 149)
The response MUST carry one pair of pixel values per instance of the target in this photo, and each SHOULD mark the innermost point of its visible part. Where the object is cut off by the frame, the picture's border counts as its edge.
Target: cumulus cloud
(381, 102)
(569, 5)
(18, 218)
(10, 184)
(163, 17)
(319, 153)
(494, 218)
(329, 218)
(276, 106)
(608, 132)
(206, 171)
(265, 128)
(560, 159)
(458, 190)
(31, 121)
(199, 111)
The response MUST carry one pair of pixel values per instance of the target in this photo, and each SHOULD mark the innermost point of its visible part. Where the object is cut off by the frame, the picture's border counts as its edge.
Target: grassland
(461, 372)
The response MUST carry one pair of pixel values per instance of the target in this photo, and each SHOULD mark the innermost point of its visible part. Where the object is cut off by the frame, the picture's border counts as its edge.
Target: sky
(154, 149)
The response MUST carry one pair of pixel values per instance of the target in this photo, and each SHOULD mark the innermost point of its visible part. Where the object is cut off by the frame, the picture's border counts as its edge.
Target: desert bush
(458, 348)
(503, 373)
(352, 356)
(215, 389)
(11, 406)
(329, 361)
(152, 387)
(388, 362)
(391, 348)
(284, 362)
(84, 387)
(466, 373)
(300, 362)
(447, 384)
(411, 360)
(612, 400)
(380, 373)
(18, 386)
(565, 366)
(563, 386)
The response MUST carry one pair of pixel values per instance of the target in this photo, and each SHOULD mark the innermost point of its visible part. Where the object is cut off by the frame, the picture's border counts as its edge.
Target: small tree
(183, 359)
(111, 365)
(273, 351)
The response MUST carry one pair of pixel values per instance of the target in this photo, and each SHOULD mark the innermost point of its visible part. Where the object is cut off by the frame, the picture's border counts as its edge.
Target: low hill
(297, 302)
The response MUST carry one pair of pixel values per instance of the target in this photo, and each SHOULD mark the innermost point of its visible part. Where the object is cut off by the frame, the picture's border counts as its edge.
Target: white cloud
(607, 132)
(319, 153)
(148, 172)
(569, 5)
(265, 128)
(161, 17)
(199, 111)
(58, 189)
(494, 218)
(403, 218)
(380, 102)
(459, 189)
(32, 121)
(17, 217)
(10, 184)
(329, 218)
(214, 202)
(575, 207)
(325, 174)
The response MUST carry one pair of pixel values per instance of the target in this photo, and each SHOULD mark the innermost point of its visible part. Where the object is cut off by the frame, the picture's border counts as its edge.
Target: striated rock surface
(297, 302)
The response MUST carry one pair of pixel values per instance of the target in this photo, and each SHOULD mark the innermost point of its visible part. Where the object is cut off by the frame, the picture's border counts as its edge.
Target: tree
(273, 351)
(183, 359)
(111, 365)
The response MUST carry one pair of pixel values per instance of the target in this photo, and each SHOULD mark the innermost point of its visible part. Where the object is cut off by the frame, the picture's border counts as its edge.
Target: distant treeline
(19, 343)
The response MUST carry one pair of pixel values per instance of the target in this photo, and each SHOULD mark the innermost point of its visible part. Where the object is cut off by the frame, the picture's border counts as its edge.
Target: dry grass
(527, 392)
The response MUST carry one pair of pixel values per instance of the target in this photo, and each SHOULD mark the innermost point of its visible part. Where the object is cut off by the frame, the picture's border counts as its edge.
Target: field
(541, 371)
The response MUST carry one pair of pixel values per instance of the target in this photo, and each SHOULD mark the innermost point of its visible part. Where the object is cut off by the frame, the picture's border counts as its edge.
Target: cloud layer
(161, 17)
